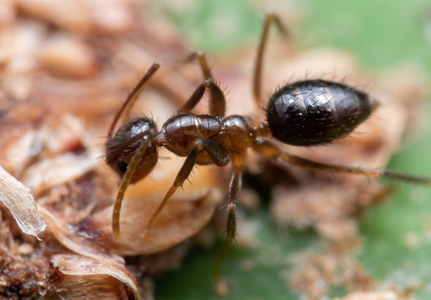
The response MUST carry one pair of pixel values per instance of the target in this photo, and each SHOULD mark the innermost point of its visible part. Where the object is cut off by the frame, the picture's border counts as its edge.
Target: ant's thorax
(235, 132)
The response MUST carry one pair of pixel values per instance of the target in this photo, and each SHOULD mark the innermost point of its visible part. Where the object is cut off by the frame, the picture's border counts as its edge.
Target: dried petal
(81, 243)
(88, 284)
(83, 16)
(20, 202)
(178, 220)
(68, 57)
(67, 167)
(7, 18)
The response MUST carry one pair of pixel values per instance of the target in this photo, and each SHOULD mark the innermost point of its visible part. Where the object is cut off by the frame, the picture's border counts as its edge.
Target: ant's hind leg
(217, 101)
(270, 150)
(217, 152)
(257, 77)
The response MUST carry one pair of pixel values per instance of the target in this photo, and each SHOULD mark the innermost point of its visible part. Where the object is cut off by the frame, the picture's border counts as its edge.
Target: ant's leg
(268, 149)
(133, 96)
(257, 77)
(234, 191)
(206, 71)
(217, 102)
(125, 182)
(216, 93)
(219, 155)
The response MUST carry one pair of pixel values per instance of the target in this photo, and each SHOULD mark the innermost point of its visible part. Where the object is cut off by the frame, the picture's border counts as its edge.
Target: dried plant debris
(378, 295)
(23, 264)
(21, 204)
(90, 275)
(64, 72)
(314, 272)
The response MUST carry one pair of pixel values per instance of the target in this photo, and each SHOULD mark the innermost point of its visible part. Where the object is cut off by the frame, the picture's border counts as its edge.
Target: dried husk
(21, 204)
(82, 276)
(112, 16)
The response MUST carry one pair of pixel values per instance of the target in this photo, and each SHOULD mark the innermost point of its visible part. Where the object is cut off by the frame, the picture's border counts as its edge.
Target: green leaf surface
(397, 234)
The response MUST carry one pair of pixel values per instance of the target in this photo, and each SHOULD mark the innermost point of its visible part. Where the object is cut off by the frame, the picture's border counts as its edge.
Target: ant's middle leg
(217, 101)
(270, 150)
(238, 162)
(218, 154)
(234, 192)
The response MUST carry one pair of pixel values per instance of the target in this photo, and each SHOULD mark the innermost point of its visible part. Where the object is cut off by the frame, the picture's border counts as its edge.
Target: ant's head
(121, 148)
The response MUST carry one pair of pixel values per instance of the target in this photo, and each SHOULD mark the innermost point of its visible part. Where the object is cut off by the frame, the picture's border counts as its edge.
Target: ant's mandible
(303, 113)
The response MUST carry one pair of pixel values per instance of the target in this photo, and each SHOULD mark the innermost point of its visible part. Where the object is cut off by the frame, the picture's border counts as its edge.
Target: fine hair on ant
(302, 113)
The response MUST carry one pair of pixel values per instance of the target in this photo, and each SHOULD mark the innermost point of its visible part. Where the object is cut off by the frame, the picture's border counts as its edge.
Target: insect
(302, 113)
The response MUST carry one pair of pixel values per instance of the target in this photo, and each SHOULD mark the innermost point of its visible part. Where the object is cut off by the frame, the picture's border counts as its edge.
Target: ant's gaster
(304, 113)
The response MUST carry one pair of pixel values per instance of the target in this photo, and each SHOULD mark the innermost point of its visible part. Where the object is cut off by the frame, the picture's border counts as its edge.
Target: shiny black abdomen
(314, 112)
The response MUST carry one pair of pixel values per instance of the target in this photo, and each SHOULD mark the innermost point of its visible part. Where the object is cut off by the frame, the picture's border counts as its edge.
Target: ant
(302, 113)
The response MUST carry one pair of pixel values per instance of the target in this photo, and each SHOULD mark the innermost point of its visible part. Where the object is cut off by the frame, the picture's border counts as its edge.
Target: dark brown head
(121, 148)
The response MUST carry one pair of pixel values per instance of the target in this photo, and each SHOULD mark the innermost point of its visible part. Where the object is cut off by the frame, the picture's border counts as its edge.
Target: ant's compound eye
(122, 167)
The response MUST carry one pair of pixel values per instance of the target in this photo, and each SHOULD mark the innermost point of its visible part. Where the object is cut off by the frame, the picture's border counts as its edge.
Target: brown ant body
(305, 113)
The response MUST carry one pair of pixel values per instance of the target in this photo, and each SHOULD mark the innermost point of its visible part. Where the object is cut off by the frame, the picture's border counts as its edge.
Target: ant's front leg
(270, 150)
(217, 152)
(217, 102)
(127, 177)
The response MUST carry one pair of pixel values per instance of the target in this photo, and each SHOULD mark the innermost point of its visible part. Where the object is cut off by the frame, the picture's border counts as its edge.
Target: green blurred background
(382, 34)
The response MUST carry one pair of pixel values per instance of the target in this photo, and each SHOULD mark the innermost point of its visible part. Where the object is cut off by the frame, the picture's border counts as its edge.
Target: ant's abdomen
(314, 112)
